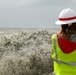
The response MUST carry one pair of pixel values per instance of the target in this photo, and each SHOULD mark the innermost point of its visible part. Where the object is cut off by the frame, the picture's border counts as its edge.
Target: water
(25, 51)
(23, 29)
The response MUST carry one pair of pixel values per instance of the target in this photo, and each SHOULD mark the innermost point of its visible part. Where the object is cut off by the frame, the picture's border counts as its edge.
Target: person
(64, 44)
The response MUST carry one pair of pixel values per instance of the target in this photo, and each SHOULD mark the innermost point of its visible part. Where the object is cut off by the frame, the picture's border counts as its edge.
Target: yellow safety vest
(64, 64)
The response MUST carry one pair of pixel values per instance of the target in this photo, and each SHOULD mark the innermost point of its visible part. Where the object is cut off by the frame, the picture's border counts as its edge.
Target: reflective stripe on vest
(56, 56)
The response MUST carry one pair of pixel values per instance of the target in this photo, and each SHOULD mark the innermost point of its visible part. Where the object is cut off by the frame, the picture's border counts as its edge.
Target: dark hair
(66, 30)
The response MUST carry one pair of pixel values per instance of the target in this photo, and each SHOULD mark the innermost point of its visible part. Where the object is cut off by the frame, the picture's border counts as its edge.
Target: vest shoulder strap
(55, 40)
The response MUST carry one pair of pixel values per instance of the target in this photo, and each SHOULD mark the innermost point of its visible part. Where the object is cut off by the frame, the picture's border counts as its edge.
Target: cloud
(16, 2)
(56, 2)
(33, 13)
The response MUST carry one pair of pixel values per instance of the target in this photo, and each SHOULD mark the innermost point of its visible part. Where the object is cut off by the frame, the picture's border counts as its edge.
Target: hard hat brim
(64, 22)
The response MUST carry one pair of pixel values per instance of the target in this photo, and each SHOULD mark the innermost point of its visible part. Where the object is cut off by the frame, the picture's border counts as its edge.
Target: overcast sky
(32, 13)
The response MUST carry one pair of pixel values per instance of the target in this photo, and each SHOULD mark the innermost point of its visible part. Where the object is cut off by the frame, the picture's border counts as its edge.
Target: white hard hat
(66, 16)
